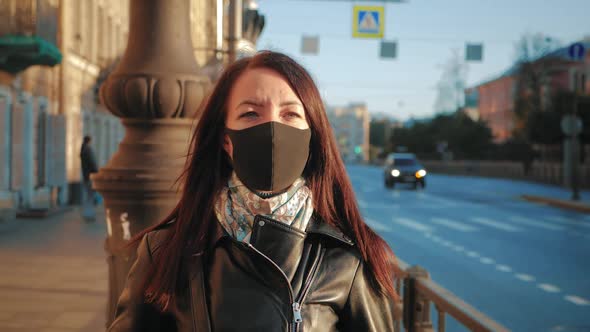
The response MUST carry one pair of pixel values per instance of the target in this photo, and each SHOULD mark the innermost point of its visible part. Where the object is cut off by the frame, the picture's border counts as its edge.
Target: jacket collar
(316, 226)
(320, 227)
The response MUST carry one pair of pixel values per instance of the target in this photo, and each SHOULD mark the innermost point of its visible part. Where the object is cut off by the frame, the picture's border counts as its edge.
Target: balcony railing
(419, 292)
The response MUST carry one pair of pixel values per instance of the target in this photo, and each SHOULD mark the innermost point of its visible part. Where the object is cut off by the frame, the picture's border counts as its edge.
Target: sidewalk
(560, 197)
(578, 206)
(53, 274)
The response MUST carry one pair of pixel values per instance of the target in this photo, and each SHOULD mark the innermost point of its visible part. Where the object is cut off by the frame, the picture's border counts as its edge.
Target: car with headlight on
(403, 168)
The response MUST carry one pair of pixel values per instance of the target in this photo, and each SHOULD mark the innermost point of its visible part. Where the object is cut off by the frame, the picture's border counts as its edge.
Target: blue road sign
(368, 21)
(577, 51)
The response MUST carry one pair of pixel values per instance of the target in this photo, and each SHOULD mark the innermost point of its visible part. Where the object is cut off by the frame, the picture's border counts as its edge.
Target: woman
(267, 235)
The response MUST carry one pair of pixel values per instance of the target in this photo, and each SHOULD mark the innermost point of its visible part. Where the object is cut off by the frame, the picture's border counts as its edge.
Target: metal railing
(419, 292)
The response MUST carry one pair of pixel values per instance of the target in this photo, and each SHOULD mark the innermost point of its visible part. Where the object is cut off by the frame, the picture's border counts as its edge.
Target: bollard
(416, 306)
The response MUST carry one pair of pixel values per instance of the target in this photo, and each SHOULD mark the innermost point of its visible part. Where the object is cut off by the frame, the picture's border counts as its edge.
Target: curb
(562, 204)
(42, 213)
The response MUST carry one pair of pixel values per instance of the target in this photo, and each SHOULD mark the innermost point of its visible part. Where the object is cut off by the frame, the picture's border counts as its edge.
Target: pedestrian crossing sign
(368, 21)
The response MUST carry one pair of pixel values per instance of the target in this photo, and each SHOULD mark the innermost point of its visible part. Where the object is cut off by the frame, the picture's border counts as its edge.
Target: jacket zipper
(295, 314)
(297, 318)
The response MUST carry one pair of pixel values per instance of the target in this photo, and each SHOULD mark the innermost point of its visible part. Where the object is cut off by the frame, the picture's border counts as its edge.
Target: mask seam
(272, 165)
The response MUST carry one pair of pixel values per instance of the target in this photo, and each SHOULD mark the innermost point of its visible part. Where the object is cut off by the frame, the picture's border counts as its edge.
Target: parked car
(403, 168)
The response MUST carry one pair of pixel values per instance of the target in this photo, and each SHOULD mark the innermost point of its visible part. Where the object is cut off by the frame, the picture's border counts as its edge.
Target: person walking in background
(89, 166)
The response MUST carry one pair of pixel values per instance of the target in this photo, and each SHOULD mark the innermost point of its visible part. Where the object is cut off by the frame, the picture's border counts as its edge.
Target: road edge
(563, 204)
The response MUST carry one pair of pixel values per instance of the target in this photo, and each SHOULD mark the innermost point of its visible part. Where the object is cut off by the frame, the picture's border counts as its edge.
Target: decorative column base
(139, 190)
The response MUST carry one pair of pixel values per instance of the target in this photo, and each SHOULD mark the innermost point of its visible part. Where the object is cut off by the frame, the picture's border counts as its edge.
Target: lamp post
(155, 90)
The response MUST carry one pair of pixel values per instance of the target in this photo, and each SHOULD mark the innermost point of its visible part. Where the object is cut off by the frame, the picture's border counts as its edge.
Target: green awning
(20, 52)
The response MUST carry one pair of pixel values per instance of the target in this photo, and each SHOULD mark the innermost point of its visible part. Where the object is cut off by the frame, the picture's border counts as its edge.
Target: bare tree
(531, 73)
(452, 83)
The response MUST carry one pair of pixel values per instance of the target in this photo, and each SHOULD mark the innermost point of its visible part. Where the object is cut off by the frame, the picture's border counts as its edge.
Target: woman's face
(262, 95)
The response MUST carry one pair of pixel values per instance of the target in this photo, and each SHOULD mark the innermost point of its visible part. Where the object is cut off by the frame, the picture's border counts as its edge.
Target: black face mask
(269, 156)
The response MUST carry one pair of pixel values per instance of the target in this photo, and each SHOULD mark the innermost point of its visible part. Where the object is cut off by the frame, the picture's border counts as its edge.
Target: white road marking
(428, 235)
(437, 200)
(473, 254)
(495, 224)
(454, 224)
(577, 300)
(364, 205)
(377, 225)
(567, 221)
(503, 268)
(536, 223)
(486, 260)
(525, 277)
(458, 248)
(447, 244)
(549, 288)
(367, 189)
(412, 224)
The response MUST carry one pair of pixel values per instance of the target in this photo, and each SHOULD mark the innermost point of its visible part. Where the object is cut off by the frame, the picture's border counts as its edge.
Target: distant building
(351, 130)
(493, 100)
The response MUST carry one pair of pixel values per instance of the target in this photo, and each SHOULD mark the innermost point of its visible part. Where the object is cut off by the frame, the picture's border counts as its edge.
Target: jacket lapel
(318, 226)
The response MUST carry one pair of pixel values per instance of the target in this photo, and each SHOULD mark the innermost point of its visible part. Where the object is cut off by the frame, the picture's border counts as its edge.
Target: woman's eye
(292, 115)
(248, 115)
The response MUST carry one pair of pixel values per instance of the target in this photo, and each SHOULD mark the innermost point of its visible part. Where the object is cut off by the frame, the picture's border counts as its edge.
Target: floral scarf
(237, 206)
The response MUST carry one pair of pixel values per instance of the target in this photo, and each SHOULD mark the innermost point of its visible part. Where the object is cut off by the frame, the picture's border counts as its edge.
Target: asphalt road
(523, 264)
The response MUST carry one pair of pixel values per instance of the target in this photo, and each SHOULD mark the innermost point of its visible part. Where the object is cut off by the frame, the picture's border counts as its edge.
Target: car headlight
(395, 173)
(421, 173)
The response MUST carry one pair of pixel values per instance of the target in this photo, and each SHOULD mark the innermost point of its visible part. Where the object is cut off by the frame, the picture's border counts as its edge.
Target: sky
(427, 32)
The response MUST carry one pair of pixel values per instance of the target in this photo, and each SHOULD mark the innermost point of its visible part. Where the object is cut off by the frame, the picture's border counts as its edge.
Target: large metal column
(155, 90)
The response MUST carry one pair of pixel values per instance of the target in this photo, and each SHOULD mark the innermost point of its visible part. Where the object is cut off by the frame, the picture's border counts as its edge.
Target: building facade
(351, 129)
(494, 103)
(45, 111)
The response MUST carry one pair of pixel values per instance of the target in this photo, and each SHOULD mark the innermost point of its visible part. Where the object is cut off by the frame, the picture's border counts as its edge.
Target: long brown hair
(208, 169)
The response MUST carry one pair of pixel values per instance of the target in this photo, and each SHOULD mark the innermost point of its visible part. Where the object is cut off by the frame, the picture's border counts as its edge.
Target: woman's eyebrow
(290, 103)
(250, 102)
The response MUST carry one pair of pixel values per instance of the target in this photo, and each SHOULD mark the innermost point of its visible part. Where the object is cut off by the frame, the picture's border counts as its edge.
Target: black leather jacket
(284, 280)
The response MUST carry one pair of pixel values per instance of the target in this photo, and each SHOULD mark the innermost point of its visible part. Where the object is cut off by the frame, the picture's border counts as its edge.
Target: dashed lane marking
(576, 300)
(377, 225)
(495, 224)
(500, 267)
(454, 225)
(458, 248)
(536, 223)
(525, 277)
(549, 288)
(567, 221)
(486, 260)
(436, 200)
(412, 224)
